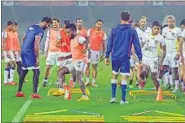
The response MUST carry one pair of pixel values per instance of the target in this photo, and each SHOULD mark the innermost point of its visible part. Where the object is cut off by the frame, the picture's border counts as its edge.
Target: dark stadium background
(29, 12)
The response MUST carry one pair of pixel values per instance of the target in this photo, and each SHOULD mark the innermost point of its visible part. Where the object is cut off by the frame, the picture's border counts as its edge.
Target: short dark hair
(9, 23)
(71, 26)
(156, 23)
(46, 19)
(182, 22)
(66, 22)
(78, 19)
(125, 15)
(56, 19)
(15, 23)
(99, 20)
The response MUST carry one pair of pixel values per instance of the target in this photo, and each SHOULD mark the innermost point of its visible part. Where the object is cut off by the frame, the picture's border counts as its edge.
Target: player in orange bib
(7, 39)
(51, 50)
(16, 47)
(78, 47)
(96, 37)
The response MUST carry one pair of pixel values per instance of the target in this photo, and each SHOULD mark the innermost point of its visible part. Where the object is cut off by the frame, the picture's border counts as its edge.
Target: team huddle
(134, 47)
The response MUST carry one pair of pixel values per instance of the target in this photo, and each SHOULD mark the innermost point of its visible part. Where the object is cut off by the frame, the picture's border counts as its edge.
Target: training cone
(67, 93)
(159, 97)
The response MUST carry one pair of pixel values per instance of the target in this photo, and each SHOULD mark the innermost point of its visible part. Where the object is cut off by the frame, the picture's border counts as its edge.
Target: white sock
(11, 75)
(94, 81)
(45, 80)
(6, 76)
(176, 84)
(87, 79)
(171, 79)
(165, 78)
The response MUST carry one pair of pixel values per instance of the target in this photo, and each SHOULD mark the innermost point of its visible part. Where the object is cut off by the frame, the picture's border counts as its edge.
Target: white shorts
(78, 65)
(17, 56)
(10, 58)
(52, 58)
(95, 57)
(151, 63)
(132, 62)
(170, 61)
(62, 63)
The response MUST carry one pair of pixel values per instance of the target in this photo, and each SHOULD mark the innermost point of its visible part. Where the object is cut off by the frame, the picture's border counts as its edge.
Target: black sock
(36, 73)
(18, 67)
(21, 78)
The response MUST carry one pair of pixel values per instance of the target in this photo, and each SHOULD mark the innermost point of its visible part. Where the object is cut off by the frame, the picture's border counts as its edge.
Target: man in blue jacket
(120, 42)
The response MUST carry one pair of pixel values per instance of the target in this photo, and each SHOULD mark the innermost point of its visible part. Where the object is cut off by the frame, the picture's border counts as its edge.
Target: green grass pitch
(98, 104)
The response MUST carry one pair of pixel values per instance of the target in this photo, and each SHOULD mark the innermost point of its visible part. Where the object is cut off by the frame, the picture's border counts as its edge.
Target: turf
(98, 103)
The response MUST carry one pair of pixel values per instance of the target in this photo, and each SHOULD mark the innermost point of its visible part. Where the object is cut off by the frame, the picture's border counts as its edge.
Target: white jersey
(171, 37)
(151, 44)
(141, 33)
(183, 35)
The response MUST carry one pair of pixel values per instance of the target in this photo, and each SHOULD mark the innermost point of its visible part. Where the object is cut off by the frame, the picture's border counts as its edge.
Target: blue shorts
(28, 60)
(121, 67)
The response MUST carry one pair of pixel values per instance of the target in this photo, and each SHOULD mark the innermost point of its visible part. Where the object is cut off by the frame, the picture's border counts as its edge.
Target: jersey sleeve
(81, 40)
(183, 34)
(162, 41)
(4, 34)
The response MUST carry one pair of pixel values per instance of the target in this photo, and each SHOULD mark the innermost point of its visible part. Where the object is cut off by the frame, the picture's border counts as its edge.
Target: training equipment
(133, 93)
(73, 91)
(63, 118)
(67, 92)
(159, 97)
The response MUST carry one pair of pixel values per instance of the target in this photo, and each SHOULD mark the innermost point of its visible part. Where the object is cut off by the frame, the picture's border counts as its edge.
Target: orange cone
(67, 92)
(159, 97)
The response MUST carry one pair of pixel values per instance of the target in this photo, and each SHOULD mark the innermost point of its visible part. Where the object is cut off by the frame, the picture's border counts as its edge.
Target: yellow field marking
(51, 112)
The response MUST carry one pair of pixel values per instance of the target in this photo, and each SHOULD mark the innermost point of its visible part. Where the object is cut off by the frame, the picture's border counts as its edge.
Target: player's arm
(46, 46)
(4, 43)
(181, 40)
(109, 46)
(37, 48)
(136, 45)
(103, 44)
(163, 44)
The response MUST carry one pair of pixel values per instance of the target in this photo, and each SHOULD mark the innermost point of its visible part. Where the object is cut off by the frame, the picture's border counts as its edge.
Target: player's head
(133, 23)
(125, 16)
(71, 30)
(66, 22)
(143, 21)
(99, 24)
(9, 25)
(15, 26)
(171, 21)
(79, 22)
(55, 22)
(156, 27)
(182, 24)
(45, 23)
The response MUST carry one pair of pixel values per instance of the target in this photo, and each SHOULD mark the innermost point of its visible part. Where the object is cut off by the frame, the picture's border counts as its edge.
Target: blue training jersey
(120, 42)
(29, 41)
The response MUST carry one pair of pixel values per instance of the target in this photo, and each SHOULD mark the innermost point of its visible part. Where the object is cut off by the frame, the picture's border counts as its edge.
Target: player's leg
(6, 70)
(61, 76)
(50, 61)
(175, 68)
(116, 64)
(132, 70)
(181, 75)
(36, 74)
(95, 55)
(125, 72)
(87, 73)
(12, 67)
(79, 66)
(18, 62)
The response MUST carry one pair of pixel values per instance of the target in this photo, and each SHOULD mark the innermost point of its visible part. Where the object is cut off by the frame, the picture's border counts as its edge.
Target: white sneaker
(122, 102)
(87, 83)
(175, 90)
(94, 84)
(113, 100)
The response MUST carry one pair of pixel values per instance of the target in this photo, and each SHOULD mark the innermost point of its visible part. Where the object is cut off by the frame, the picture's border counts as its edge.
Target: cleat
(35, 96)
(113, 100)
(83, 98)
(59, 92)
(20, 94)
(87, 92)
(71, 84)
(94, 84)
(175, 90)
(122, 102)
(44, 84)
(87, 84)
